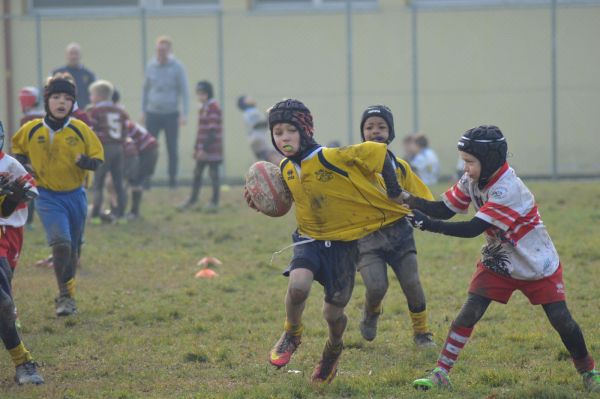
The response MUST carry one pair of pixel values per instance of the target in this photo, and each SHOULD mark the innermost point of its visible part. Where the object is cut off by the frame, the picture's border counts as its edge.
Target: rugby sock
(456, 340)
(419, 322)
(70, 287)
(584, 364)
(333, 349)
(136, 198)
(377, 309)
(19, 354)
(295, 330)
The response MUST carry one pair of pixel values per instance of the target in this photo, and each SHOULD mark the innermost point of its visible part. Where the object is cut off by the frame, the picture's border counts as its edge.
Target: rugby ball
(267, 189)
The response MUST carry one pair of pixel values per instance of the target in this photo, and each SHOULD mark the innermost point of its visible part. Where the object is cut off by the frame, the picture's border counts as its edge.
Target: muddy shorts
(390, 244)
(333, 264)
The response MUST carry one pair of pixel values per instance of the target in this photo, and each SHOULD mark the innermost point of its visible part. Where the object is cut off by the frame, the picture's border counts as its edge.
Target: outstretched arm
(469, 229)
(436, 209)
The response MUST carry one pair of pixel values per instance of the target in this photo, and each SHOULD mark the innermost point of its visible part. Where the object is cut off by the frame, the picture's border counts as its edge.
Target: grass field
(147, 328)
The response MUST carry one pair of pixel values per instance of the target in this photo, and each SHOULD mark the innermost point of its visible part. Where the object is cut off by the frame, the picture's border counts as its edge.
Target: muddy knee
(297, 295)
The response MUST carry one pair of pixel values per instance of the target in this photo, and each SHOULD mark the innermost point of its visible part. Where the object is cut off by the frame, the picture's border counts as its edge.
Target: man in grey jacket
(164, 86)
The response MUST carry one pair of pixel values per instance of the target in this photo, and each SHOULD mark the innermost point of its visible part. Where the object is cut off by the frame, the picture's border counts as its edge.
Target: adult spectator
(83, 76)
(165, 86)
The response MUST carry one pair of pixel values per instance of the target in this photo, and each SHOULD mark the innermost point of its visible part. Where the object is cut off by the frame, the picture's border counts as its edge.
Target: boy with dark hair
(208, 150)
(518, 255)
(337, 203)
(61, 151)
(16, 188)
(394, 244)
(109, 122)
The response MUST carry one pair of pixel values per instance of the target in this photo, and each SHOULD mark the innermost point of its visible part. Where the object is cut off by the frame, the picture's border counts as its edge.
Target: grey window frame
(156, 7)
(467, 4)
(310, 5)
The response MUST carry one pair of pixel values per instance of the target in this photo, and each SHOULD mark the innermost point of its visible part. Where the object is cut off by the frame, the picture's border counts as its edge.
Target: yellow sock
(70, 285)
(419, 322)
(20, 354)
(377, 309)
(295, 330)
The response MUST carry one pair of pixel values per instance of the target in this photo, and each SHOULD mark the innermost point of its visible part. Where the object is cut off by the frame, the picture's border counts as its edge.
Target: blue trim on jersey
(328, 165)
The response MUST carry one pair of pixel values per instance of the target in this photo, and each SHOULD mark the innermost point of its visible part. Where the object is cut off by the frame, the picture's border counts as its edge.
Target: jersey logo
(496, 259)
(41, 139)
(290, 175)
(499, 193)
(324, 175)
(71, 140)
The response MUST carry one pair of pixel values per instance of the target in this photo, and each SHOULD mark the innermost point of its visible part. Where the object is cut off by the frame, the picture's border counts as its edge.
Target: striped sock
(584, 364)
(456, 340)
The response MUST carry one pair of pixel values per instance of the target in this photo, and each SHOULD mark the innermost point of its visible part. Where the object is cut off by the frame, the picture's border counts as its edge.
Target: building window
(167, 3)
(54, 4)
(441, 4)
(309, 4)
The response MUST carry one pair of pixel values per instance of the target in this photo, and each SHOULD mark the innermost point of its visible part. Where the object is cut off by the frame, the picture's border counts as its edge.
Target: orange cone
(209, 260)
(206, 273)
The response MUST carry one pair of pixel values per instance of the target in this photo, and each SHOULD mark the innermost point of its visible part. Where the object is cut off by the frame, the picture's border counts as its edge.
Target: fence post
(554, 96)
(349, 69)
(38, 50)
(415, 66)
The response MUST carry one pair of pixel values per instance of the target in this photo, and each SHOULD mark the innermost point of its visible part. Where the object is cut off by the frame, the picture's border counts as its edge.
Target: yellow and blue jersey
(337, 192)
(53, 156)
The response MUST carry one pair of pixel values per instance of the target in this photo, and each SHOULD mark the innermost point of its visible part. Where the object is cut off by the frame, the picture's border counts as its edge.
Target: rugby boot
(283, 350)
(424, 340)
(368, 324)
(437, 378)
(326, 369)
(65, 306)
(591, 380)
(27, 373)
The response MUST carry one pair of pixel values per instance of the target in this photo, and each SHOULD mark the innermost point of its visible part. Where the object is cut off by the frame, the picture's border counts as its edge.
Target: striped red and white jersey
(14, 170)
(142, 139)
(518, 244)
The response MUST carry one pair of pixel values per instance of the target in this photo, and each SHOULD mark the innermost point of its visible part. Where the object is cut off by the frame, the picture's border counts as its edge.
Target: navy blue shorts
(333, 264)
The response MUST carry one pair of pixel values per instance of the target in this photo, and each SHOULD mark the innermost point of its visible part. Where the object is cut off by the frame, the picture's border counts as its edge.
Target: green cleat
(437, 378)
(591, 380)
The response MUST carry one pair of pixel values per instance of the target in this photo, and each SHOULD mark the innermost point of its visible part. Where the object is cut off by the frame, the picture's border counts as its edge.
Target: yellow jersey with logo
(53, 156)
(337, 192)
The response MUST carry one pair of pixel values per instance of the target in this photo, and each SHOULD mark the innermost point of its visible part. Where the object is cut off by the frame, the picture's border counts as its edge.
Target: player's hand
(198, 155)
(18, 190)
(419, 220)
(248, 199)
(403, 199)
